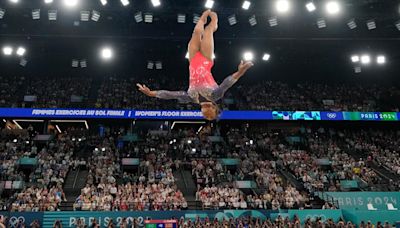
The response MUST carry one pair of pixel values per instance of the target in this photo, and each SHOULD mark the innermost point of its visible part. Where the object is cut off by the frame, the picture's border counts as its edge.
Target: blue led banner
(194, 115)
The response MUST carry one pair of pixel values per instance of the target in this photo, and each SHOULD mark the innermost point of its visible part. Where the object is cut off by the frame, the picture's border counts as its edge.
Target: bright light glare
(14, 1)
(7, 50)
(355, 58)
(282, 6)
(103, 2)
(266, 57)
(332, 7)
(209, 4)
(187, 55)
(248, 56)
(156, 3)
(21, 51)
(106, 53)
(70, 3)
(311, 7)
(48, 1)
(381, 59)
(125, 2)
(365, 59)
(246, 5)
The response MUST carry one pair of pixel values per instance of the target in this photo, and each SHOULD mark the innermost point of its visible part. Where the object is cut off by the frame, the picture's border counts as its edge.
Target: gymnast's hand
(242, 68)
(144, 89)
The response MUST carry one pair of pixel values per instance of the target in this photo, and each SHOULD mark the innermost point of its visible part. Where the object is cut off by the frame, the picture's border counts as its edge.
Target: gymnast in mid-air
(203, 89)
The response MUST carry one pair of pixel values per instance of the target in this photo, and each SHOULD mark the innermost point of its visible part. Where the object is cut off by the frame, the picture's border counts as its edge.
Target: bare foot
(205, 15)
(214, 20)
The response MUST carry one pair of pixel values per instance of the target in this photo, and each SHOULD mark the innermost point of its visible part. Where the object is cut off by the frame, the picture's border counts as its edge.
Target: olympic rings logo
(13, 221)
(331, 115)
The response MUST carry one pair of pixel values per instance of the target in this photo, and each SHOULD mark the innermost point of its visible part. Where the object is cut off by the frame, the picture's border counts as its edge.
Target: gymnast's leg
(195, 41)
(207, 43)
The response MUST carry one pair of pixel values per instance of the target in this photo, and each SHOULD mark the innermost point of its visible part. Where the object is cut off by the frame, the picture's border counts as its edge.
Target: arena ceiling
(299, 49)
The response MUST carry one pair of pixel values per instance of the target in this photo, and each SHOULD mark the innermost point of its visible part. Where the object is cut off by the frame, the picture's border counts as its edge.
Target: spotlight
(150, 65)
(311, 7)
(355, 58)
(74, 63)
(95, 15)
(106, 53)
(352, 24)
(2, 13)
(103, 2)
(371, 25)
(196, 18)
(21, 51)
(23, 62)
(266, 57)
(253, 20)
(148, 18)
(14, 1)
(381, 59)
(273, 21)
(248, 56)
(397, 23)
(158, 65)
(187, 55)
(7, 50)
(365, 59)
(357, 69)
(332, 7)
(125, 2)
(321, 23)
(156, 3)
(138, 17)
(36, 14)
(232, 20)
(48, 1)
(85, 15)
(181, 18)
(209, 4)
(52, 15)
(246, 5)
(282, 6)
(83, 63)
(70, 3)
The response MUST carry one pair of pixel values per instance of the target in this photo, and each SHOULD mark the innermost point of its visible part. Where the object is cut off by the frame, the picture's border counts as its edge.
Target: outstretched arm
(231, 80)
(182, 96)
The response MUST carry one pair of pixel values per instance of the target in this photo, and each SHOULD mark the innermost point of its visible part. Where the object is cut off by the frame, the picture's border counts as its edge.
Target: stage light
(7, 50)
(21, 51)
(266, 57)
(311, 7)
(357, 69)
(48, 1)
(95, 15)
(282, 6)
(209, 4)
(187, 55)
(156, 3)
(138, 17)
(246, 5)
(83, 63)
(248, 56)
(253, 20)
(106, 53)
(196, 18)
(181, 18)
(321, 23)
(381, 59)
(148, 18)
(371, 25)
(232, 20)
(103, 2)
(70, 3)
(85, 15)
(332, 7)
(397, 24)
(2, 13)
(273, 21)
(52, 15)
(36, 14)
(23, 62)
(14, 1)
(352, 24)
(74, 63)
(125, 2)
(365, 59)
(150, 65)
(355, 58)
(158, 65)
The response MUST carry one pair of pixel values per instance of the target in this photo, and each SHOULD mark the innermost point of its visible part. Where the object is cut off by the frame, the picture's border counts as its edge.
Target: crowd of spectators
(119, 92)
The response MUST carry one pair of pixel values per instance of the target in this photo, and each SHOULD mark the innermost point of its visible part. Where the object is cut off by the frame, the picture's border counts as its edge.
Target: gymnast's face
(209, 110)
